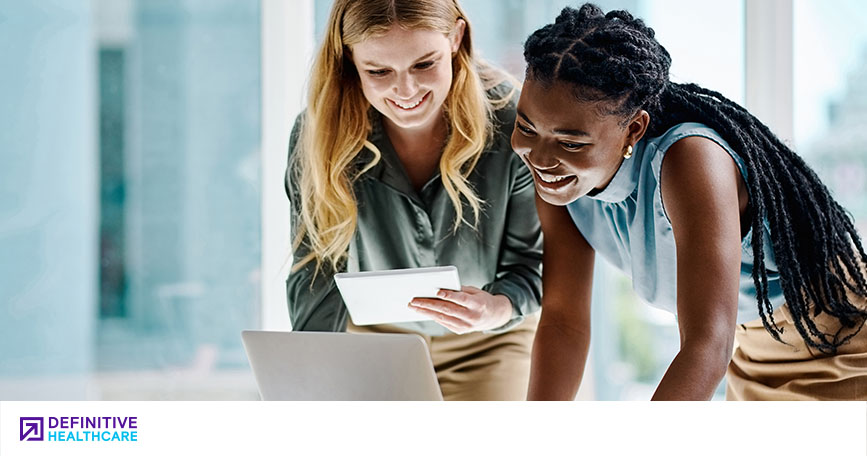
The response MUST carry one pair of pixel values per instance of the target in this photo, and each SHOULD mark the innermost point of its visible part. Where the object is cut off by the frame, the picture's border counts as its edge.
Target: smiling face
(406, 74)
(571, 146)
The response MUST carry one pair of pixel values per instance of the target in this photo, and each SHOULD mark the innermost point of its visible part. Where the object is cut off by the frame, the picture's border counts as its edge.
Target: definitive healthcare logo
(79, 429)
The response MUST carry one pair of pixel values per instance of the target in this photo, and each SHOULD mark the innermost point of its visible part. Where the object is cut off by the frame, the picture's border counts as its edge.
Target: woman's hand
(468, 310)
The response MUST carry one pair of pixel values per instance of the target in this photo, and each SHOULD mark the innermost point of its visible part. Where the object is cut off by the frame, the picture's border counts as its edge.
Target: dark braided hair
(614, 58)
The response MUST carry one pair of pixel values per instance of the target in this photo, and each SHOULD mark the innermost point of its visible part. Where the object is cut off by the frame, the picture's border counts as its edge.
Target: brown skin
(556, 135)
(563, 335)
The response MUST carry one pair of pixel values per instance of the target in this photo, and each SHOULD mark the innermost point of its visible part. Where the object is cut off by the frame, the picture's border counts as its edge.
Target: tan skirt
(764, 369)
(477, 366)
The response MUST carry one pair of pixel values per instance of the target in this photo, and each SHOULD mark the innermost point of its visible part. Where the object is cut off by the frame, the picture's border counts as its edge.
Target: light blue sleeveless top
(627, 225)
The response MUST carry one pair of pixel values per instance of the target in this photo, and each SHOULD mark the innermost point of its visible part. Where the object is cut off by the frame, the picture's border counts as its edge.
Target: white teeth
(409, 106)
(553, 180)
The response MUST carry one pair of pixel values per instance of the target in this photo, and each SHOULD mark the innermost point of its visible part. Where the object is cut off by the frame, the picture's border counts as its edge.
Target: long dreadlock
(615, 58)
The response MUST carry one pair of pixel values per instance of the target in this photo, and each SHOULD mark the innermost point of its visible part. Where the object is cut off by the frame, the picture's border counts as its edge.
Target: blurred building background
(139, 149)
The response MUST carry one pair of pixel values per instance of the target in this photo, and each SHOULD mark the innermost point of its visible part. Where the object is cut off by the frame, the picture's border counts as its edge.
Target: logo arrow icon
(31, 428)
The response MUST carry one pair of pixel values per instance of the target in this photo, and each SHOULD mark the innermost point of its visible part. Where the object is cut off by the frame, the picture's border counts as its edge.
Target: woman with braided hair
(713, 217)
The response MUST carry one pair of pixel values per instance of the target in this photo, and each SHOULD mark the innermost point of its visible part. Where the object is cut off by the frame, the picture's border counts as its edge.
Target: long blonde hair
(336, 124)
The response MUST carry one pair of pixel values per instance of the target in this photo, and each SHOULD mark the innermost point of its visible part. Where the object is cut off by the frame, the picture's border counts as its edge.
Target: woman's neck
(420, 140)
(419, 149)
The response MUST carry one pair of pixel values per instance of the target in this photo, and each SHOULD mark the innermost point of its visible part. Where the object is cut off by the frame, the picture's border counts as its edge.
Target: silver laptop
(316, 366)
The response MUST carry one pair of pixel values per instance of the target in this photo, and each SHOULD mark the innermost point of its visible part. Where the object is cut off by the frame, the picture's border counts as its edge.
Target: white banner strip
(96, 428)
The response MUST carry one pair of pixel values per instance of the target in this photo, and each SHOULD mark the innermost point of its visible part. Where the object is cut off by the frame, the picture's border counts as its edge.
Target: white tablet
(381, 297)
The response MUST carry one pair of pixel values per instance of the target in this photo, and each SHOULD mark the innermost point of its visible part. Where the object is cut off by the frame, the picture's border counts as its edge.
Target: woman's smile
(551, 182)
(410, 106)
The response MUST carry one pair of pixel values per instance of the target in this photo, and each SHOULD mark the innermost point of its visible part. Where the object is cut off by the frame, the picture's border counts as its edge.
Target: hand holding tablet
(381, 297)
(470, 309)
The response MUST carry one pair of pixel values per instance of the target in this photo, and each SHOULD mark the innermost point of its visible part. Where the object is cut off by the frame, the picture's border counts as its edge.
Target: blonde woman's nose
(405, 86)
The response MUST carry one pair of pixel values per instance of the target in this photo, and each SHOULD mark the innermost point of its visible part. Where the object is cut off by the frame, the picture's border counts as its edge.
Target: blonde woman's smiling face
(406, 74)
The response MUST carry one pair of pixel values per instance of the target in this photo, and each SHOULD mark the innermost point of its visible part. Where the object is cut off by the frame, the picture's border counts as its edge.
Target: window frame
(769, 66)
(287, 51)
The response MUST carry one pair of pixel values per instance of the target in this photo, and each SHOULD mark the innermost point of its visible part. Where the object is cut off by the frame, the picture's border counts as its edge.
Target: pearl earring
(628, 153)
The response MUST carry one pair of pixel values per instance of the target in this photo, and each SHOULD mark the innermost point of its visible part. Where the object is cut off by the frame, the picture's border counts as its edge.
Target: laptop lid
(311, 366)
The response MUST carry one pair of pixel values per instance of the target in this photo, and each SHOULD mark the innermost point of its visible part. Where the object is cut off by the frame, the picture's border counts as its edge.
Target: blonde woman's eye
(424, 65)
(377, 72)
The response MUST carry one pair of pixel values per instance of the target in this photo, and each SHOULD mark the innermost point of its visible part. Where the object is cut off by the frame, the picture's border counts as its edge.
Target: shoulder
(690, 153)
(501, 91)
(697, 155)
(292, 157)
(295, 132)
(691, 146)
(677, 133)
(503, 97)
(697, 176)
(688, 136)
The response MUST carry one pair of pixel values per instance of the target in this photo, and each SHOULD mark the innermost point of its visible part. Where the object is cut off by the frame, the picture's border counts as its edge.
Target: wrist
(504, 311)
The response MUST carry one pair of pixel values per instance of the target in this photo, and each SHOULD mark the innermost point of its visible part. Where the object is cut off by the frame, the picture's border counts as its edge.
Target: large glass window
(179, 238)
(830, 80)
(138, 223)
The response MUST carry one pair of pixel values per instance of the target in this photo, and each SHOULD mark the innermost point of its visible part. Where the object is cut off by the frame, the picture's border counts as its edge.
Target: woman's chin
(559, 197)
(556, 200)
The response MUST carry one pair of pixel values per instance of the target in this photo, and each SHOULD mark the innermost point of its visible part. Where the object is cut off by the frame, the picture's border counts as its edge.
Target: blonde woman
(401, 160)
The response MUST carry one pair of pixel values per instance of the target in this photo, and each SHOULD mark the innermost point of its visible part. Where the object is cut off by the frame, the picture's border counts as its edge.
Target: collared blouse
(399, 227)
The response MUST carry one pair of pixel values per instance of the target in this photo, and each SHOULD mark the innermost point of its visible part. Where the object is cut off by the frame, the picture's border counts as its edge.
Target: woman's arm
(563, 338)
(519, 265)
(699, 185)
